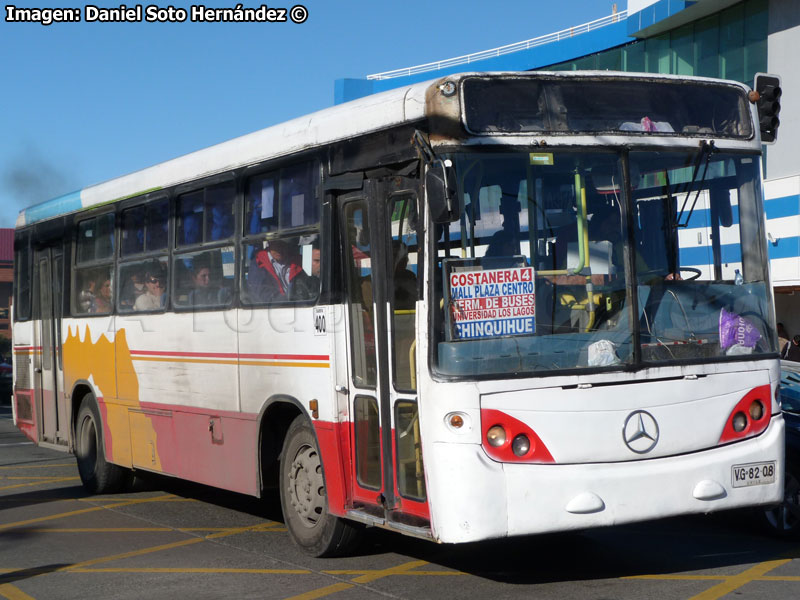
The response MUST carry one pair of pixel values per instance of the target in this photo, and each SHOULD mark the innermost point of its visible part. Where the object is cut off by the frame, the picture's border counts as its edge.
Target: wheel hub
(306, 486)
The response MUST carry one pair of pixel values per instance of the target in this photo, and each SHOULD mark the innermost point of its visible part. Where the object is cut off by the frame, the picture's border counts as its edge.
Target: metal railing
(527, 44)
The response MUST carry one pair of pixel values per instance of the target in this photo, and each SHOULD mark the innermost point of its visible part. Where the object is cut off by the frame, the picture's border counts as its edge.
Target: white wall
(635, 6)
(783, 50)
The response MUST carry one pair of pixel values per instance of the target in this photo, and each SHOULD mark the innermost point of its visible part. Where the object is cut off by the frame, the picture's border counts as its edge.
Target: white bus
(488, 305)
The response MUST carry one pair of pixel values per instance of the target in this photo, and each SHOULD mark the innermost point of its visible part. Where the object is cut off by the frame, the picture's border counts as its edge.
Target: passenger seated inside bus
(155, 294)
(86, 297)
(204, 291)
(275, 274)
(132, 289)
(103, 301)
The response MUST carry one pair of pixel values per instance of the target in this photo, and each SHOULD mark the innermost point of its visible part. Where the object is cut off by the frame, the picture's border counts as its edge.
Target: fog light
(496, 436)
(739, 422)
(756, 410)
(521, 445)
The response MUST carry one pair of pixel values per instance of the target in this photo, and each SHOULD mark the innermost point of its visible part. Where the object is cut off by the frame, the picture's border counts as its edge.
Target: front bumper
(474, 498)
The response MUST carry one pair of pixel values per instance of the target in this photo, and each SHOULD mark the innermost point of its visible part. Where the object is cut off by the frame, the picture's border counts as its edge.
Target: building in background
(730, 39)
(6, 277)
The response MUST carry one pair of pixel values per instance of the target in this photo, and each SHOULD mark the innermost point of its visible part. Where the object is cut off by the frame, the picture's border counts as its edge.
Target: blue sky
(86, 102)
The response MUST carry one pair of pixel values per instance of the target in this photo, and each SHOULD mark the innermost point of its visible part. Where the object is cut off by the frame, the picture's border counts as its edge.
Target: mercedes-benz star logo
(640, 432)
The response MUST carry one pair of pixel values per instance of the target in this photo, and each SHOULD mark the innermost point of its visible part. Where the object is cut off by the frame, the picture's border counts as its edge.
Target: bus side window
(204, 279)
(144, 285)
(22, 279)
(282, 200)
(145, 227)
(93, 290)
(157, 228)
(96, 238)
(133, 230)
(281, 270)
(206, 215)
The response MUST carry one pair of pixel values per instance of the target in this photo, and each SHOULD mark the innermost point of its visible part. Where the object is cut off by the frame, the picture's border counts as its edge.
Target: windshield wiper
(706, 149)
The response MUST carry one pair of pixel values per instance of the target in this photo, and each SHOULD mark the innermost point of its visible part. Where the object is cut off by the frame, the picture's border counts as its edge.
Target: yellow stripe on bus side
(250, 363)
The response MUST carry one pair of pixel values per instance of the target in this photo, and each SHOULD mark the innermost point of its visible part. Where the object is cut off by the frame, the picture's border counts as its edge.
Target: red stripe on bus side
(230, 355)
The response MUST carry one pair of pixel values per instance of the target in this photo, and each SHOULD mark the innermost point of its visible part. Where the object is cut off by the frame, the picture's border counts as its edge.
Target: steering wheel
(671, 276)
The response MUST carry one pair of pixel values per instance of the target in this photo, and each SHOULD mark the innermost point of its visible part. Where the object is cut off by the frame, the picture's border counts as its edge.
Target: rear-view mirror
(440, 189)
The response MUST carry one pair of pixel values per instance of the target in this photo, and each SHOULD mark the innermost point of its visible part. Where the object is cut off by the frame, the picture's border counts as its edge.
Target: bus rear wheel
(97, 475)
(303, 500)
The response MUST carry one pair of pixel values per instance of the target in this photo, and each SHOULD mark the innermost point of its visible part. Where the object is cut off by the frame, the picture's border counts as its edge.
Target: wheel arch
(274, 419)
(80, 388)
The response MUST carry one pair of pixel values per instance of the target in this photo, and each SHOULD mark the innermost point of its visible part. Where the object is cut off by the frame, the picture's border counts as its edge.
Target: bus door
(386, 462)
(48, 368)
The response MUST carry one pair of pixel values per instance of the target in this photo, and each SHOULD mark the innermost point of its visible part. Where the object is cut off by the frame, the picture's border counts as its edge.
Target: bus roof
(375, 113)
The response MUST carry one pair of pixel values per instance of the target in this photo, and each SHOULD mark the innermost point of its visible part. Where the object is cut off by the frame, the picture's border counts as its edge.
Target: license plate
(760, 473)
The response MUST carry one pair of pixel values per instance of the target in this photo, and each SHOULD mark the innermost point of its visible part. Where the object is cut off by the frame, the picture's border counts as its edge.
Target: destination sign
(490, 303)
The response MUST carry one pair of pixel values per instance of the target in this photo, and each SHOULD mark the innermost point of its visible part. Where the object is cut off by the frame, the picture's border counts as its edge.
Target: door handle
(341, 389)
(38, 370)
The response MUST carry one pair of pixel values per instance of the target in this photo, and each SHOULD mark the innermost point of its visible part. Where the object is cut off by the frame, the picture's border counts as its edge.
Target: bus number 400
(319, 322)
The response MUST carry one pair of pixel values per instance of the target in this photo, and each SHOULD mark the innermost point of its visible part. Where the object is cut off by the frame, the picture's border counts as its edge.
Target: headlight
(521, 445)
(756, 410)
(496, 436)
(739, 422)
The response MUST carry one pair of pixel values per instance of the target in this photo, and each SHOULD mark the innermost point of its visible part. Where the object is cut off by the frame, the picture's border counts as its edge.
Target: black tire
(783, 520)
(97, 475)
(304, 502)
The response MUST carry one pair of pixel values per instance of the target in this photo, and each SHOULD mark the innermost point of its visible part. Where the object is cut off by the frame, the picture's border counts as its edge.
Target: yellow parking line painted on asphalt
(28, 477)
(398, 570)
(679, 577)
(735, 582)
(100, 500)
(409, 573)
(779, 578)
(178, 544)
(132, 553)
(271, 527)
(138, 529)
(728, 583)
(321, 592)
(13, 593)
(100, 529)
(209, 570)
(82, 511)
(268, 526)
(3, 468)
(366, 577)
(50, 480)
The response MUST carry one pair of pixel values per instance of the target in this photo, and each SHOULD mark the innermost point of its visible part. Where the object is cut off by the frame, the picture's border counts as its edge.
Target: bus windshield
(589, 259)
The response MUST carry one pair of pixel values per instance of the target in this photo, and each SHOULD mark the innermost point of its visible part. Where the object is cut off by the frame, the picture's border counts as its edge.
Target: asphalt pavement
(170, 539)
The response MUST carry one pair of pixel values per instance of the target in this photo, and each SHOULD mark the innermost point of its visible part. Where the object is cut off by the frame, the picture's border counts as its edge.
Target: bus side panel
(333, 444)
(24, 406)
(219, 450)
(282, 355)
(89, 355)
(177, 375)
(25, 414)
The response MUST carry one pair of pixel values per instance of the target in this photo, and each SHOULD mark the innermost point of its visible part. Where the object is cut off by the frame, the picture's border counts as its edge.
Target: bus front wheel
(303, 499)
(97, 475)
